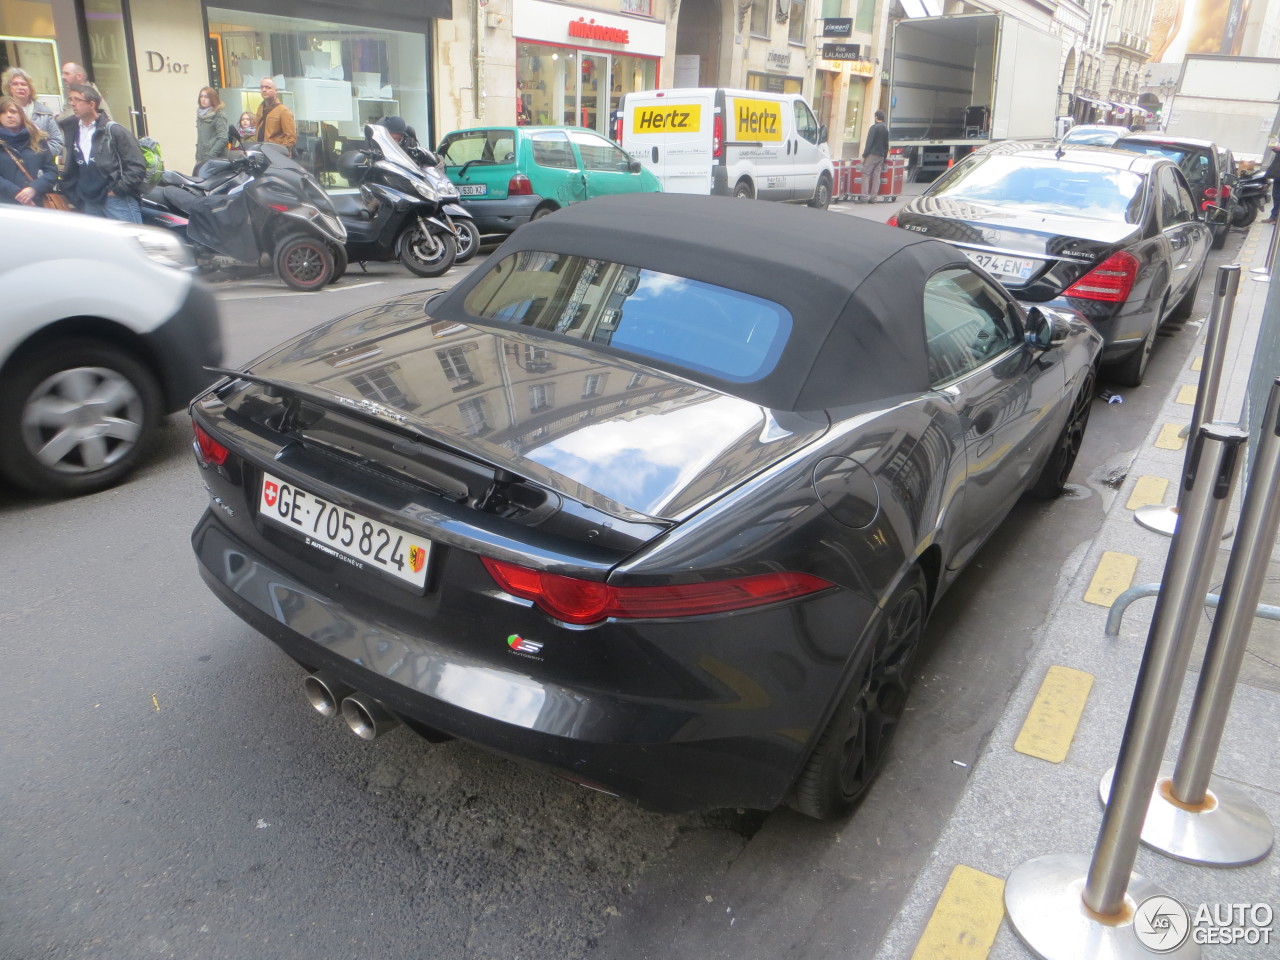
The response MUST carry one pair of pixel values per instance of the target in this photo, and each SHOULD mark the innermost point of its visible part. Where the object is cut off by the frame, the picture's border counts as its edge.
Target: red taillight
(211, 451)
(617, 130)
(1110, 281)
(278, 207)
(717, 136)
(1210, 194)
(1225, 192)
(519, 186)
(590, 601)
(892, 221)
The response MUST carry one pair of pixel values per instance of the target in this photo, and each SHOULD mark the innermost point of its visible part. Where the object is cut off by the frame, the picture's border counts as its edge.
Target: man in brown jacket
(275, 120)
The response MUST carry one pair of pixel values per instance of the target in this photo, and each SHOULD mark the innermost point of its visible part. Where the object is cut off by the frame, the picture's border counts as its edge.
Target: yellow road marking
(965, 920)
(1186, 394)
(1195, 364)
(1052, 720)
(1147, 491)
(155, 703)
(1168, 438)
(1113, 577)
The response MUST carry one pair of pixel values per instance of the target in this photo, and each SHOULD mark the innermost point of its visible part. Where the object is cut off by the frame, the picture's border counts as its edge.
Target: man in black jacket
(1273, 174)
(103, 170)
(873, 158)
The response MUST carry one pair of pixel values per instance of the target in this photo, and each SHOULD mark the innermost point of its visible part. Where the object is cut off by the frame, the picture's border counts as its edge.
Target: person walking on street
(27, 170)
(275, 120)
(74, 75)
(212, 128)
(1273, 174)
(103, 169)
(17, 83)
(873, 158)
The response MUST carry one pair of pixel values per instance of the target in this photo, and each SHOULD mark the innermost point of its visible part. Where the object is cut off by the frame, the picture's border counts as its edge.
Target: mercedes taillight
(1110, 281)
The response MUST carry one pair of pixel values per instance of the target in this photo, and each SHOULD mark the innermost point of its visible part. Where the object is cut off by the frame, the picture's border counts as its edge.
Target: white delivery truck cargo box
(745, 143)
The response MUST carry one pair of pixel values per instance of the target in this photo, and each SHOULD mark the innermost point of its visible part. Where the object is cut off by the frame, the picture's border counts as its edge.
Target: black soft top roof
(853, 287)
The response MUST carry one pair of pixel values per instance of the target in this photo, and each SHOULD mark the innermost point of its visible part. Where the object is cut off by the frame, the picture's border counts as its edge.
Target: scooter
(217, 176)
(272, 211)
(398, 213)
(1251, 194)
(432, 166)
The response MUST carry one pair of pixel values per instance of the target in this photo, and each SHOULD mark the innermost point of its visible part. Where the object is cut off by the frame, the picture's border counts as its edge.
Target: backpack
(152, 157)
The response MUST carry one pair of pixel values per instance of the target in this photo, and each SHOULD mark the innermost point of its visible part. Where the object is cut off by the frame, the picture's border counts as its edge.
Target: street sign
(837, 27)
(841, 51)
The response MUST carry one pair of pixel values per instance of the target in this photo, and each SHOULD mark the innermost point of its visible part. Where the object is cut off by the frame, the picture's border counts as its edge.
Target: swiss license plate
(1002, 267)
(353, 538)
(473, 189)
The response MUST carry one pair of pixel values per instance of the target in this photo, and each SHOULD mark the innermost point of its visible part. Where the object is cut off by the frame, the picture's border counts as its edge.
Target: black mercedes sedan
(1117, 236)
(658, 498)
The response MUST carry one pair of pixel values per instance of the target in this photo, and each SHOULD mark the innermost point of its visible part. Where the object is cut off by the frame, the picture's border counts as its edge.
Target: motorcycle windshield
(392, 152)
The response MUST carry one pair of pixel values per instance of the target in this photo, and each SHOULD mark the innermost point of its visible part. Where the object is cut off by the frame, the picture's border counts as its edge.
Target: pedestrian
(27, 170)
(873, 158)
(1273, 174)
(212, 127)
(74, 75)
(17, 83)
(247, 126)
(274, 121)
(103, 170)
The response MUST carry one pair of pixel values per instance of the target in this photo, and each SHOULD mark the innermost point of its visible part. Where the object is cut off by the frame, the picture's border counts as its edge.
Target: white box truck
(1233, 101)
(958, 81)
(743, 143)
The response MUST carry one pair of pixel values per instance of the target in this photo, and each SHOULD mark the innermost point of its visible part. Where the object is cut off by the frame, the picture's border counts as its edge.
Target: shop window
(562, 85)
(643, 8)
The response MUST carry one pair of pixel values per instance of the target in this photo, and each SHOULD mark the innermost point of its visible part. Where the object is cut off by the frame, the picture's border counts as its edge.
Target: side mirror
(1216, 216)
(634, 166)
(1046, 329)
(822, 133)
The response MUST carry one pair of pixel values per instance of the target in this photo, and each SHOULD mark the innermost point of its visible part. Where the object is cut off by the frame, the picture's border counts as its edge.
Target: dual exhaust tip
(366, 717)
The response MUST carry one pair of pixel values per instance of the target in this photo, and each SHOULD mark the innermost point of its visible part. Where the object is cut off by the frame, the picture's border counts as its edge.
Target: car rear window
(478, 146)
(1194, 162)
(1046, 186)
(699, 326)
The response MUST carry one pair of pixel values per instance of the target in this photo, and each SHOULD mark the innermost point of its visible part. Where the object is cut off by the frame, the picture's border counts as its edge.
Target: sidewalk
(1017, 807)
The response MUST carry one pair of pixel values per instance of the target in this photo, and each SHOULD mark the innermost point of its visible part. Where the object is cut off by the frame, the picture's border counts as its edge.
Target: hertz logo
(757, 120)
(682, 118)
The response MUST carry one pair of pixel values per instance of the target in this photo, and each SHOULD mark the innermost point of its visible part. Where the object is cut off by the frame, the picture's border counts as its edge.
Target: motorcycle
(432, 166)
(398, 213)
(217, 176)
(1251, 194)
(268, 210)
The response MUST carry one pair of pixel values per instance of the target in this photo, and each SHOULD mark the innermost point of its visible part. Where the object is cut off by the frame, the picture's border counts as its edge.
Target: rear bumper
(670, 754)
(501, 216)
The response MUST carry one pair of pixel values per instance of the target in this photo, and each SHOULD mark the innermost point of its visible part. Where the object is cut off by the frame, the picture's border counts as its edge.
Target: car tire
(468, 239)
(544, 211)
(822, 195)
(303, 262)
(424, 262)
(100, 404)
(1053, 478)
(1182, 309)
(744, 190)
(1130, 371)
(340, 262)
(1220, 236)
(853, 746)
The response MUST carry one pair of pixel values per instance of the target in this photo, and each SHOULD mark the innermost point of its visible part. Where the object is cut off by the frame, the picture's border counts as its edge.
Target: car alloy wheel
(856, 740)
(1053, 478)
(822, 196)
(744, 190)
(75, 418)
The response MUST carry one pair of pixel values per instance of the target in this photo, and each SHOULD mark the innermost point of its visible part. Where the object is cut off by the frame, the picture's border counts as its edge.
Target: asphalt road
(168, 792)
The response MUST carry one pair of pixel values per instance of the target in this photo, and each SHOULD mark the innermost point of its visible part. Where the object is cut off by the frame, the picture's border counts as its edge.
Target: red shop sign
(585, 30)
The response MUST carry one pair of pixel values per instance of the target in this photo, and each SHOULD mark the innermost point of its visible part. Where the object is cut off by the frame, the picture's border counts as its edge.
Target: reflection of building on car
(104, 331)
(1118, 236)
(658, 497)
(507, 176)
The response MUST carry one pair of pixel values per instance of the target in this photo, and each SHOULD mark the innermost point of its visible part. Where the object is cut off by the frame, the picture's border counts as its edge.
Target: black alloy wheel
(75, 417)
(856, 740)
(426, 254)
(468, 239)
(304, 262)
(744, 190)
(1053, 478)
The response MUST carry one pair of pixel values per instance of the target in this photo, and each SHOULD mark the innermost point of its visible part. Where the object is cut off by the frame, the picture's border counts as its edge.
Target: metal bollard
(1158, 517)
(1264, 273)
(1210, 821)
(1047, 906)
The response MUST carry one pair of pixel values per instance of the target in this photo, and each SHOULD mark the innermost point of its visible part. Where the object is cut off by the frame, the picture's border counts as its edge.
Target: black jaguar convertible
(659, 498)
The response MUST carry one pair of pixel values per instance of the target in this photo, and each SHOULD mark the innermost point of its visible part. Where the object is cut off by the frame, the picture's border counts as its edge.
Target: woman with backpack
(27, 169)
(212, 128)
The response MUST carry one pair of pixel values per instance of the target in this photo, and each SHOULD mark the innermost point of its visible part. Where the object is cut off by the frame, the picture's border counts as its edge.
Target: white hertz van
(741, 143)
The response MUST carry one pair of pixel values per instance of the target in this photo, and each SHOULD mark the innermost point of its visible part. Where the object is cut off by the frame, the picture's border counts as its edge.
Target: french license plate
(1002, 267)
(353, 538)
(473, 189)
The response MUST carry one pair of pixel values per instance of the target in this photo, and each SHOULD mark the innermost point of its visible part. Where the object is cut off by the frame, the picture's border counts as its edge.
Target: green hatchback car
(507, 176)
